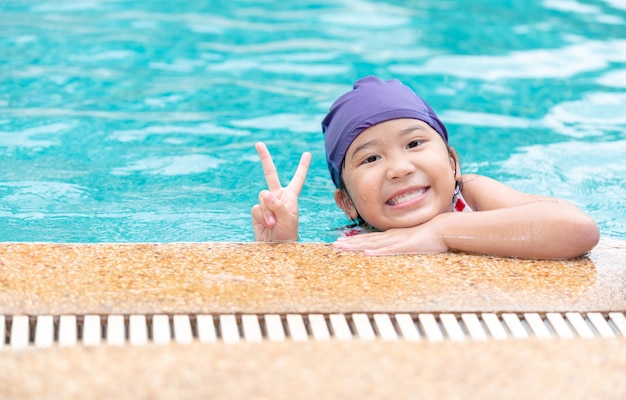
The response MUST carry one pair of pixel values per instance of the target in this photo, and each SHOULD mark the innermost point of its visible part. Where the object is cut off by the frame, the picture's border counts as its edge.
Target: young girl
(400, 181)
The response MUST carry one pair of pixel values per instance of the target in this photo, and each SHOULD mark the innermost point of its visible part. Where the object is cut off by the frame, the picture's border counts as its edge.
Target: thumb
(276, 205)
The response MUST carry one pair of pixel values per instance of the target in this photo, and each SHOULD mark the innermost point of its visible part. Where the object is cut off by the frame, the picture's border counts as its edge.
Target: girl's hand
(275, 218)
(421, 239)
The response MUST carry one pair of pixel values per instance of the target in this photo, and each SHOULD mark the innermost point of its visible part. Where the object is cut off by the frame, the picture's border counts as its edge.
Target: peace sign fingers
(275, 218)
(269, 169)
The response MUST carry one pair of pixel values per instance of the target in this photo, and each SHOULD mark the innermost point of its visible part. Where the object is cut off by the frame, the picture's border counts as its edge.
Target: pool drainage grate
(23, 331)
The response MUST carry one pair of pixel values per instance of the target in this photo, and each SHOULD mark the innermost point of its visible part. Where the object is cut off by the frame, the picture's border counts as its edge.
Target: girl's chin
(403, 222)
(400, 224)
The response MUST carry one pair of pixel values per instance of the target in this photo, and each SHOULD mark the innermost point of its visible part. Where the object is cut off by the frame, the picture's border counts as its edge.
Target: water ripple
(30, 198)
(164, 116)
(26, 138)
(615, 78)
(291, 122)
(461, 117)
(537, 63)
(595, 114)
(130, 135)
(588, 174)
(172, 165)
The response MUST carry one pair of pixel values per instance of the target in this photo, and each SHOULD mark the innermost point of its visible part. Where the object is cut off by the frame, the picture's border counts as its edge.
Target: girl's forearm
(536, 230)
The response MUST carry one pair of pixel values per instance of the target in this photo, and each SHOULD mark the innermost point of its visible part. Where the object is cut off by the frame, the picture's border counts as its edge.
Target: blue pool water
(135, 121)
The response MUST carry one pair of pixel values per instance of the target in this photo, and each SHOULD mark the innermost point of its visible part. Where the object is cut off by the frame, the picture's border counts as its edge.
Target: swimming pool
(126, 121)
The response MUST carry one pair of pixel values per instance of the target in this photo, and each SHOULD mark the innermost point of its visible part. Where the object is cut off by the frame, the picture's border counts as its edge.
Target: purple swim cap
(371, 102)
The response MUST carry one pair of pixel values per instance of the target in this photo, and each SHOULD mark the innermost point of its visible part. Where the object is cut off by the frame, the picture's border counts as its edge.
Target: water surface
(125, 121)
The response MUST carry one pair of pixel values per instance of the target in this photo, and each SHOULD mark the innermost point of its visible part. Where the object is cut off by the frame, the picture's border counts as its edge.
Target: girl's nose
(399, 167)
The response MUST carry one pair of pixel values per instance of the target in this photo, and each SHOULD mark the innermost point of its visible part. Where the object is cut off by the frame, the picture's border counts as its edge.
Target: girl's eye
(370, 159)
(413, 143)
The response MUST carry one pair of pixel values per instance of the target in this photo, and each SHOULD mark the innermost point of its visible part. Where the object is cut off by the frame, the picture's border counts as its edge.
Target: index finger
(269, 169)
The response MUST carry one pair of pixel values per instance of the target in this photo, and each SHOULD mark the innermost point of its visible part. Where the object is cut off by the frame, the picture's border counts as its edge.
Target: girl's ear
(343, 201)
(454, 162)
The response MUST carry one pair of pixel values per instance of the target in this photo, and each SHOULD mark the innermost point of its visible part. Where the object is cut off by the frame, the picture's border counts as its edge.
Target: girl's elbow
(592, 234)
(584, 235)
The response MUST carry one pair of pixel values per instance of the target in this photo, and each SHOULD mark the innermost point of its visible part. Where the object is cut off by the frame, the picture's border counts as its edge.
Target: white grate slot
(161, 330)
(601, 326)
(495, 327)
(297, 329)
(92, 330)
(137, 330)
(537, 325)
(363, 327)
(341, 329)
(452, 327)
(515, 326)
(206, 328)
(251, 328)
(3, 333)
(20, 332)
(618, 319)
(44, 331)
(430, 327)
(580, 325)
(407, 327)
(274, 328)
(474, 327)
(319, 327)
(68, 331)
(561, 327)
(182, 329)
(385, 327)
(229, 328)
(116, 334)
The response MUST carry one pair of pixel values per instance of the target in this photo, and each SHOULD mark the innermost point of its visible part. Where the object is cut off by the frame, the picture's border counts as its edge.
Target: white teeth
(404, 197)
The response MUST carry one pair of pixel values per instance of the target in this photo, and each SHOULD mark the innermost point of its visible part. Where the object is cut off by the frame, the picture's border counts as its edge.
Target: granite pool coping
(44, 278)
(40, 278)
(57, 279)
(511, 369)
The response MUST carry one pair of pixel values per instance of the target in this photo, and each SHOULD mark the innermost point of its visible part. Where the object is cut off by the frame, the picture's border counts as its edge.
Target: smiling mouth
(407, 197)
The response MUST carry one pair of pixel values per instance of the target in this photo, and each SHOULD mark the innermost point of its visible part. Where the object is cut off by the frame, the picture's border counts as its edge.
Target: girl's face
(398, 174)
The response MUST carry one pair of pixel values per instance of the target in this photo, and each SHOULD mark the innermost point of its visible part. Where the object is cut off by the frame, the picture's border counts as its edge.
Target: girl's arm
(505, 223)
(511, 223)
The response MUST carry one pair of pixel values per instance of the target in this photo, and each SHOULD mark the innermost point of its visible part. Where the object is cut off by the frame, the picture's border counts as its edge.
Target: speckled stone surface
(515, 369)
(296, 277)
(259, 278)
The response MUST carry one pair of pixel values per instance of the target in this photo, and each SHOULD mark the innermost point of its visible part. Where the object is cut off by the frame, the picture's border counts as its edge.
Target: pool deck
(191, 278)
